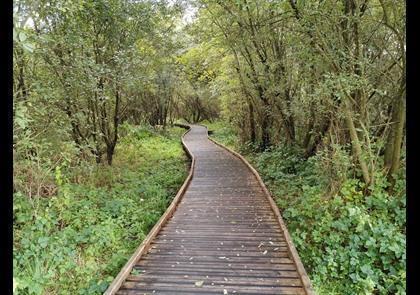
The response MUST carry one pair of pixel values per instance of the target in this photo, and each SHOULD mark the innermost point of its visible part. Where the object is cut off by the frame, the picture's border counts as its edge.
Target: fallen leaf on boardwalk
(225, 291)
(199, 283)
(222, 257)
(265, 252)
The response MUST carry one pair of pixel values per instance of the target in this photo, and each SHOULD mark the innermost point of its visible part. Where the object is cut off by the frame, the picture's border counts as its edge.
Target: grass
(76, 241)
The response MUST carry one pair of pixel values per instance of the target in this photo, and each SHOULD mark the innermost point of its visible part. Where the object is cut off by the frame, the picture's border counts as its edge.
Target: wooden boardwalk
(222, 234)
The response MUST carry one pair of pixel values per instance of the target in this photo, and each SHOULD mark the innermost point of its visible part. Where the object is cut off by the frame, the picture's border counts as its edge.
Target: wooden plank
(229, 283)
(294, 281)
(213, 266)
(226, 271)
(158, 288)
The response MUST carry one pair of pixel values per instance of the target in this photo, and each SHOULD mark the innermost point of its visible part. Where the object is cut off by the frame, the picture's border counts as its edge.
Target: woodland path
(223, 236)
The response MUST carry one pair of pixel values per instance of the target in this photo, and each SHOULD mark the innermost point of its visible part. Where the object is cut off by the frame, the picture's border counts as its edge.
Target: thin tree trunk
(309, 129)
(357, 149)
(113, 142)
(395, 139)
(252, 122)
(265, 133)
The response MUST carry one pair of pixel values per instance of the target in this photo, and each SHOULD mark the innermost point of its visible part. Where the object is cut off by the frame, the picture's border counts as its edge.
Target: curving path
(223, 238)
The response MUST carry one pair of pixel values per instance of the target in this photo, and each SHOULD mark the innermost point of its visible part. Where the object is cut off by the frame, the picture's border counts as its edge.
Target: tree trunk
(357, 149)
(265, 133)
(110, 153)
(252, 122)
(395, 138)
(113, 141)
(309, 130)
(98, 156)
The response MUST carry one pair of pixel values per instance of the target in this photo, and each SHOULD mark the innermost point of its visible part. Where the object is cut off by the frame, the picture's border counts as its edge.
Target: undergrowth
(349, 243)
(76, 240)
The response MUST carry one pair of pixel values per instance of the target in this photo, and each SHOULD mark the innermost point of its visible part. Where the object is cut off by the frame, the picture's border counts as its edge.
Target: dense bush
(349, 242)
(77, 240)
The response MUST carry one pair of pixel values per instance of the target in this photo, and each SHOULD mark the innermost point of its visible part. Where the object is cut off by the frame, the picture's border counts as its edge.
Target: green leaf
(366, 269)
(43, 242)
(22, 36)
(21, 122)
(28, 47)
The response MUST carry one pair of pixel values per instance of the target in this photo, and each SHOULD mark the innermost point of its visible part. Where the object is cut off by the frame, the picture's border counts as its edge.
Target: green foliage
(198, 67)
(222, 132)
(76, 241)
(354, 244)
(350, 243)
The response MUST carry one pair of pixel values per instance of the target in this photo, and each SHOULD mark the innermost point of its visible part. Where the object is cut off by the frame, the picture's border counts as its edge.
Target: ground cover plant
(76, 240)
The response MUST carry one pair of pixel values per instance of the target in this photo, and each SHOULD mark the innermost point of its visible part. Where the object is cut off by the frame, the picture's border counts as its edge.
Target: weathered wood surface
(223, 235)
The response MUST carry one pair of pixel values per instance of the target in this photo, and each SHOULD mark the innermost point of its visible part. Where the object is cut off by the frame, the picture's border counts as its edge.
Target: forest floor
(77, 240)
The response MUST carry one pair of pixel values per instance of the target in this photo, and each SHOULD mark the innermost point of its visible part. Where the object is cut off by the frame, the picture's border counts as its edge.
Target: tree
(317, 71)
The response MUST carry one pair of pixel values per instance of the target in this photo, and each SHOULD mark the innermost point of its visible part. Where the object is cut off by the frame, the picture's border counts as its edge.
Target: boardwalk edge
(144, 246)
(296, 259)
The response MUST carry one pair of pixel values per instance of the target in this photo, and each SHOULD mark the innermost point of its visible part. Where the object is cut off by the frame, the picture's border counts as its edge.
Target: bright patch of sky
(189, 12)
